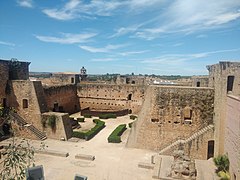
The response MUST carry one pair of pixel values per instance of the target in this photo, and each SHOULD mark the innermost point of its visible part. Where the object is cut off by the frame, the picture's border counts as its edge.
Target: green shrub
(222, 163)
(52, 121)
(107, 116)
(92, 132)
(96, 129)
(87, 115)
(133, 117)
(95, 120)
(130, 125)
(80, 119)
(115, 136)
(78, 134)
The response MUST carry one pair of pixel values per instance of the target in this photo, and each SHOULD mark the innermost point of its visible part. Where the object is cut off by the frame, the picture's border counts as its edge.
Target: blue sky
(119, 36)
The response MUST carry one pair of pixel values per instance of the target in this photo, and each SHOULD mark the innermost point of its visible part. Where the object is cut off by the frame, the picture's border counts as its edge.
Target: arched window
(129, 97)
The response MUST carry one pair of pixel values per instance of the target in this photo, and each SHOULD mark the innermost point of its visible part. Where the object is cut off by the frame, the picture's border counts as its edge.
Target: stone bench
(85, 157)
(145, 165)
(157, 166)
(52, 152)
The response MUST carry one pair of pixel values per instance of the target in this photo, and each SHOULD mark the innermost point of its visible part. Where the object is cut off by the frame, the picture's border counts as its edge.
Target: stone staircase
(191, 138)
(21, 122)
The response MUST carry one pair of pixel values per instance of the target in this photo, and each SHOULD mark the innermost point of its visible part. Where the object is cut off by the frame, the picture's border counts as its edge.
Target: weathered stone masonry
(111, 97)
(174, 113)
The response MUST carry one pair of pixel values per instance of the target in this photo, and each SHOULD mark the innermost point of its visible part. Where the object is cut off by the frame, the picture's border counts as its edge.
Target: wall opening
(72, 80)
(61, 109)
(230, 81)
(55, 107)
(4, 102)
(129, 111)
(210, 153)
(133, 82)
(129, 97)
(6, 129)
(198, 84)
(127, 80)
(25, 103)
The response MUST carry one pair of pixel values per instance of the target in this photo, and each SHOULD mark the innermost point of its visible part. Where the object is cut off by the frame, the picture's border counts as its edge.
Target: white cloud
(7, 43)
(105, 49)
(67, 38)
(103, 60)
(177, 44)
(25, 3)
(174, 59)
(186, 17)
(80, 9)
(132, 53)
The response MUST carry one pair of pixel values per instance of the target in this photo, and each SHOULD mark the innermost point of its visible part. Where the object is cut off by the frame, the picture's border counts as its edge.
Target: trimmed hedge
(80, 119)
(107, 116)
(87, 115)
(78, 134)
(92, 132)
(130, 125)
(115, 136)
(133, 117)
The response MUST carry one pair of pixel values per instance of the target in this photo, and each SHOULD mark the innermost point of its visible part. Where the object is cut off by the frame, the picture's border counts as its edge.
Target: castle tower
(83, 74)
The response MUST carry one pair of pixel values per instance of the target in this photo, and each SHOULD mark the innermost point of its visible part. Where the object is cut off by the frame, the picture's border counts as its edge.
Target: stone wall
(11, 70)
(64, 98)
(200, 81)
(18, 70)
(218, 79)
(24, 98)
(62, 128)
(174, 113)
(111, 97)
(197, 148)
(4, 76)
(232, 135)
(60, 79)
(128, 79)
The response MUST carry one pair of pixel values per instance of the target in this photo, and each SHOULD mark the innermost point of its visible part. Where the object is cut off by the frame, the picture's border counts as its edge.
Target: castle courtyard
(112, 161)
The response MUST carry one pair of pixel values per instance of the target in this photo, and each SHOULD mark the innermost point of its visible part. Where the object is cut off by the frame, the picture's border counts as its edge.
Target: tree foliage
(17, 155)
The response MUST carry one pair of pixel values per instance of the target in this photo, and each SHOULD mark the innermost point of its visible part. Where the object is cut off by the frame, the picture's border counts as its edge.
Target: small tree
(17, 156)
(222, 163)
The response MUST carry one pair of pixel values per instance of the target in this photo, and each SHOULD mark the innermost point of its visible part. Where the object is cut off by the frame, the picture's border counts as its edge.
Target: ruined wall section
(175, 113)
(111, 97)
(218, 79)
(64, 98)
